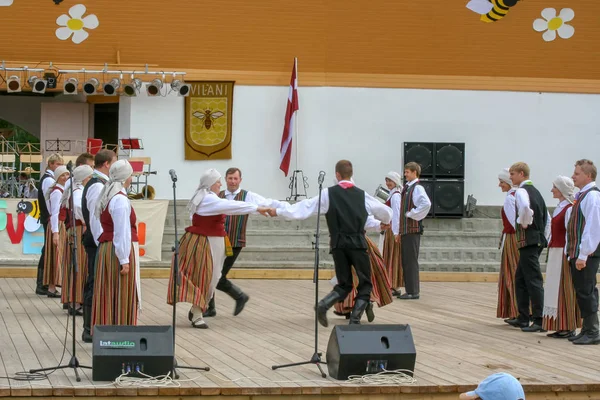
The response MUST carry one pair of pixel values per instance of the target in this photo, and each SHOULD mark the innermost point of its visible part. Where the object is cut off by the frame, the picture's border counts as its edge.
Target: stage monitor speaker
(449, 196)
(422, 154)
(119, 348)
(369, 349)
(449, 160)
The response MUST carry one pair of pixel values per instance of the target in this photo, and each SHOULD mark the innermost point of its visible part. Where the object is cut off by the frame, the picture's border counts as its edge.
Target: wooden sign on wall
(208, 117)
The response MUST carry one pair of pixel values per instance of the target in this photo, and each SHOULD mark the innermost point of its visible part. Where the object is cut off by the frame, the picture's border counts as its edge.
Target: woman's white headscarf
(208, 178)
(79, 174)
(117, 175)
(566, 187)
(57, 173)
(394, 177)
(504, 176)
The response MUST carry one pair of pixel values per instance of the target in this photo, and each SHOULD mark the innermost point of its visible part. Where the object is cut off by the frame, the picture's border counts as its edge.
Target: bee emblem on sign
(491, 10)
(208, 117)
(32, 210)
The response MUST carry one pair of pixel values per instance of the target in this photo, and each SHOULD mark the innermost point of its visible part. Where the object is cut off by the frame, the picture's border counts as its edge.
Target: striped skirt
(566, 315)
(507, 298)
(67, 286)
(53, 257)
(115, 295)
(382, 292)
(194, 272)
(393, 259)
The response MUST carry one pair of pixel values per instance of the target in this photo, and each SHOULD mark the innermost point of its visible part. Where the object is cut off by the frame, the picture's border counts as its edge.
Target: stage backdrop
(208, 119)
(22, 237)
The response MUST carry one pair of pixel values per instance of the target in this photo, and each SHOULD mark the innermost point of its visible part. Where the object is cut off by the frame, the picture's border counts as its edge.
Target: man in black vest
(583, 249)
(46, 180)
(531, 227)
(346, 208)
(91, 194)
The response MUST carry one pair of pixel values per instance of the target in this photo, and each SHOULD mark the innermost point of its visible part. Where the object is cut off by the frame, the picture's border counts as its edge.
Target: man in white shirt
(414, 206)
(583, 249)
(47, 179)
(235, 225)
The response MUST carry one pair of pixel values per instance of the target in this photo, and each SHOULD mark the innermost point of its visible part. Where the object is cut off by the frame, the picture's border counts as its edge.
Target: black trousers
(529, 284)
(344, 259)
(39, 283)
(409, 245)
(225, 284)
(585, 286)
(88, 288)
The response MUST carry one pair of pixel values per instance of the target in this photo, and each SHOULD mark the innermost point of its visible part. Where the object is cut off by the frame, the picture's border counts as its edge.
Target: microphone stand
(72, 238)
(176, 279)
(316, 357)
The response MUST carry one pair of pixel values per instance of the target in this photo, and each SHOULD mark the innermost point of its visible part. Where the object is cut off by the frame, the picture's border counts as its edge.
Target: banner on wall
(22, 236)
(208, 117)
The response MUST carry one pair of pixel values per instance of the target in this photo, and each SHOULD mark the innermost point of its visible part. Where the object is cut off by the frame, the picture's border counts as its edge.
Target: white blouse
(55, 198)
(119, 208)
(212, 204)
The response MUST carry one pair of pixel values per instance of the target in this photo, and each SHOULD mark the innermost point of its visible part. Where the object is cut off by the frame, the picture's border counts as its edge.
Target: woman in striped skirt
(391, 247)
(507, 298)
(56, 235)
(204, 246)
(382, 292)
(561, 313)
(81, 175)
(117, 290)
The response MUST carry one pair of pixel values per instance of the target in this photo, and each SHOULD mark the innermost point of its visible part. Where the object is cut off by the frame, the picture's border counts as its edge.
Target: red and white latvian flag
(285, 151)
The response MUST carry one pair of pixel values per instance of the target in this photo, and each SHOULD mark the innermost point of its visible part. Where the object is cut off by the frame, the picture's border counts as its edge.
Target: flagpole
(296, 119)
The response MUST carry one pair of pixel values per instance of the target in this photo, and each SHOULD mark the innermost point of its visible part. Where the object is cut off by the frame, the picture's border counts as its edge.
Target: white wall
(368, 126)
(26, 111)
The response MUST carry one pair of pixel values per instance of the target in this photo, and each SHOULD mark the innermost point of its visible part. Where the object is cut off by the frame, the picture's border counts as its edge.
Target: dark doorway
(106, 123)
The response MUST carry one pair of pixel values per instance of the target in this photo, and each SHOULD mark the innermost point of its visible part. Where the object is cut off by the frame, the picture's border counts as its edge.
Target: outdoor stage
(458, 342)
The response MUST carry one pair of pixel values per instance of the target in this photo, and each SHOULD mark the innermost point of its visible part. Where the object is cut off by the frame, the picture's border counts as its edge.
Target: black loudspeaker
(428, 185)
(119, 348)
(422, 154)
(449, 160)
(449, 198)
(369, 349)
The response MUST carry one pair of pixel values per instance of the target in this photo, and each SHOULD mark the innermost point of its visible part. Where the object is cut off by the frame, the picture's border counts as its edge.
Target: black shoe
(75, 311)
(533, 328)
(578, 336)
(370, 313)
(360, 306)
(588, 339)
(561, 334)
(41, 291)
(54, 295)
(339, 314)
(325, 304)
(240, 298)
(396, 292)
(65, 306)
(190, 315)
(517, 323)
(508, 320)
(211, 311)
(86, 336)
(408, 296)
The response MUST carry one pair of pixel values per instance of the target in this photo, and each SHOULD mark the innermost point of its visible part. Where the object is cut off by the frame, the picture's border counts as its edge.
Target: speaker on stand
(449, 186)
(422, 154)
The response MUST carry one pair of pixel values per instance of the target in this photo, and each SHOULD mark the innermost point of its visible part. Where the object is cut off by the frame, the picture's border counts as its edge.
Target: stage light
(70, 86)
(153, 88)
(13, 84)
(182, 89)
(37, 85)
(91, 86)
(110, 88)
(132, 88)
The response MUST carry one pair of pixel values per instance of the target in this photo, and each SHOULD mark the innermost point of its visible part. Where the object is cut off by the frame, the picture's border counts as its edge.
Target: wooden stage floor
(458, 341)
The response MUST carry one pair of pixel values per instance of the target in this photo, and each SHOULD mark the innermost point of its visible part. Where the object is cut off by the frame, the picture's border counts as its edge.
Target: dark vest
(346, 218)
(575, 228)
(235, 225)
(534, 234)
(88, 239)
(44, 212)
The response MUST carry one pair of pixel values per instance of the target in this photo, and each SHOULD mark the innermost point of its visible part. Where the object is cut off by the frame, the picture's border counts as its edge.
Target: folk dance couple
(574, 238)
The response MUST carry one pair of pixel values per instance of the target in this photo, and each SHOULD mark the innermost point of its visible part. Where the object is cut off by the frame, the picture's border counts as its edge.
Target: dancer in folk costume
(392, 248)
(382, 291)
(561, 313)
(47, 179)
(81, 175)
(507, 298)
(56, 236)
(204, 246)
(117, 289)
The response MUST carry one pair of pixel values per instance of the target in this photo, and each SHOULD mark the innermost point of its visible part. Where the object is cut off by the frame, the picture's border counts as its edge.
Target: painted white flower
(553, 24)
(5, 3)
(74, 24)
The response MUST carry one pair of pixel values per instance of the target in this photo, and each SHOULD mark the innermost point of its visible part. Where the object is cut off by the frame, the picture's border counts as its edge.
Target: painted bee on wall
(491, 10)
(208, 117)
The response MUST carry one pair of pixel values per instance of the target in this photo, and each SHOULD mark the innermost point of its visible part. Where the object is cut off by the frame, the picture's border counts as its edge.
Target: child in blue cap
(500, 386)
